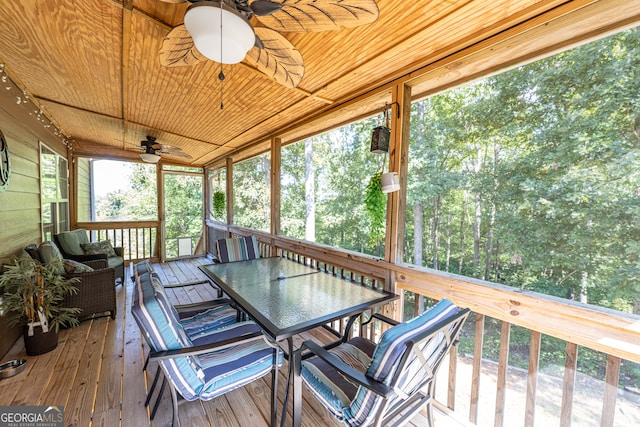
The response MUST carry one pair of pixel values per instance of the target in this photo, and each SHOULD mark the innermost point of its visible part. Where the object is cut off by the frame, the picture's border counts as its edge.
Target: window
(110, 190)
(251, 187)
(530, 178)
(53, 192)
(323, 186)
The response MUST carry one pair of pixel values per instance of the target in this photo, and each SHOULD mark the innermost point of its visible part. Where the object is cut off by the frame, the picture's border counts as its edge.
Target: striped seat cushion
(329, 386)
(237, 249)
(236, 366)
(356, 405)
(203, 376)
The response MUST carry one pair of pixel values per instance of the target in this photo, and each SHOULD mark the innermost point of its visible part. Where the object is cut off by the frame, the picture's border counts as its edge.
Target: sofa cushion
(48, 252)
(115, 261)
(70, 241)
(71, 267)
(101, 247)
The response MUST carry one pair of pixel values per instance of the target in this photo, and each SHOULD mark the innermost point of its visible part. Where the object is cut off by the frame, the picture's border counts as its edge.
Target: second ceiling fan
(221, 31)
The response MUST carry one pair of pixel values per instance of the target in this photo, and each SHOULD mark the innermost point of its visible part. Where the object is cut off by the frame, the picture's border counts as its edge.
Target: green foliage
(251, 197)
(29, 288)
(219, 203)
(376, 204)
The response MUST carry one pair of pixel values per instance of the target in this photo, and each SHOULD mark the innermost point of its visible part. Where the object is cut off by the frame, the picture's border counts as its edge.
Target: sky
(110, 175)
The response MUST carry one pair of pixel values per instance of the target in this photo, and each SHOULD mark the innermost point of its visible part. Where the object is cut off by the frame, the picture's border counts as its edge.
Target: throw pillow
(102, 247)
(71, 266)
(49, 252)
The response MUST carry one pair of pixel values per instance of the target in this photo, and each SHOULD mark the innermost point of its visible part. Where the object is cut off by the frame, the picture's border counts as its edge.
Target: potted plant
(33, 293)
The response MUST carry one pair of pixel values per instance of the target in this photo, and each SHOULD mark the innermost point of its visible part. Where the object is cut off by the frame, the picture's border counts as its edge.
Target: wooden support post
(229, 170)
(398, 158)
(276, 166)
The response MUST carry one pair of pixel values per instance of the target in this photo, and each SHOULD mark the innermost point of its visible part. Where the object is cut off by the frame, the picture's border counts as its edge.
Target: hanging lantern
(381, 135)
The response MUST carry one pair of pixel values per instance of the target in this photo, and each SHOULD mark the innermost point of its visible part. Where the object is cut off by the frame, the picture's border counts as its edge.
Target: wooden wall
(20, 202)
(83, 189)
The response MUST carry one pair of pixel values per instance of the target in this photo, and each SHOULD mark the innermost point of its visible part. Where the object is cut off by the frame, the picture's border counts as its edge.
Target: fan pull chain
(221, 75)
(221, 78)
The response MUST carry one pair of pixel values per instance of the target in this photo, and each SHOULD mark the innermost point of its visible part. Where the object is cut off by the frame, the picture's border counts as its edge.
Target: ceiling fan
(152, 150)
(221, 31)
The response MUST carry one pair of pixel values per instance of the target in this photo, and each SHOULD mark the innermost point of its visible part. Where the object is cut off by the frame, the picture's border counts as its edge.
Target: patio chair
(233, 249)
(75, 245)
(201, 359)
(362, 383)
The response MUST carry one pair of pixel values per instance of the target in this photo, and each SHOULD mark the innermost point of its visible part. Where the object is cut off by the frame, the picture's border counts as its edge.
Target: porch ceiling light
(149, 157)
(219, 32)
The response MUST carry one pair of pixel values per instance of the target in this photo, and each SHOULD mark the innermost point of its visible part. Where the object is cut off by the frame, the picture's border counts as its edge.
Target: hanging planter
(376, 205)
(219, 203)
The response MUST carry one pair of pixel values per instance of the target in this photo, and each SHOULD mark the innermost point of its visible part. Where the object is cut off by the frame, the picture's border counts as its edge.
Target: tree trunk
(583, 287)
(309, 191)
(476, 231)
(417, 234)
(436, 229)
(489, 253)
(463, 215)
(448, 243)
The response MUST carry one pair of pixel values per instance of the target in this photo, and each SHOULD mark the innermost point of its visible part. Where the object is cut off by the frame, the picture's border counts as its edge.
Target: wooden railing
(613, 333)
(138, 238)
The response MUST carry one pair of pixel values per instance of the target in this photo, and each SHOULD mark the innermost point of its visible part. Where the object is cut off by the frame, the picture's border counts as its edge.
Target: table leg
(296, 361)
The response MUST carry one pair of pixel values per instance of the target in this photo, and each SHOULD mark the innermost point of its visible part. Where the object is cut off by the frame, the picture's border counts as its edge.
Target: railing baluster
(453, 367)
(569, 383)
(503, 365)
(610, 391)
(477, 367)
(532, 378)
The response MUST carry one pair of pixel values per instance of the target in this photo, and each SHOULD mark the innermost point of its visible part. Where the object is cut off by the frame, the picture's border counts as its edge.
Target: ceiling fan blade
(264, 7)
(321, 15)
(173, 1)
(278, 58)
(178, 49)
(176, 154)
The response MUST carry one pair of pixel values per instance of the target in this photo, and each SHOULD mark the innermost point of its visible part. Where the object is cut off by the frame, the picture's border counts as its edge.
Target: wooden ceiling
(94, 67)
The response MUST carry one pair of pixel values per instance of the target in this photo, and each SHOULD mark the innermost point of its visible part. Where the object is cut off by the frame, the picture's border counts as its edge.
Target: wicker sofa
(96, 291)
(71, 245)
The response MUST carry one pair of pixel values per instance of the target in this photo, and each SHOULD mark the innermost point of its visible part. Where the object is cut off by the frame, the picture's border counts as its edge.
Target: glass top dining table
(285, 297)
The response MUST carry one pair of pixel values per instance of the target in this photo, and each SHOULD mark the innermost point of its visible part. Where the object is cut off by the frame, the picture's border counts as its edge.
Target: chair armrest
(350, 373)
(205, 348)
(181, 285)
(97, 264)
(204, 304)
(96, 274)
(382, 318)
(83, 258)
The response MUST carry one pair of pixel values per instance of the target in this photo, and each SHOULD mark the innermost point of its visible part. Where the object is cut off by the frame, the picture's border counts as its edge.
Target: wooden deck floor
(96, 374)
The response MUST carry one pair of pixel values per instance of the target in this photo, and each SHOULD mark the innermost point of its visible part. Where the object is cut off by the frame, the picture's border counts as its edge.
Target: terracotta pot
(39, 342)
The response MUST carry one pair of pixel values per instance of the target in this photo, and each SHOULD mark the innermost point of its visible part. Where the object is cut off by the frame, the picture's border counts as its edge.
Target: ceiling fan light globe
(149, 158)
(202, 21)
